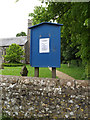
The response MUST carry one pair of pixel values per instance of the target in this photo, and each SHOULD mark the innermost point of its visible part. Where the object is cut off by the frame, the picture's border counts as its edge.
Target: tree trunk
(68, 64)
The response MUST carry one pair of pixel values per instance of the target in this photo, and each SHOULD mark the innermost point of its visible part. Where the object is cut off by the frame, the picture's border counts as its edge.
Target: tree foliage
(40, 15)
(14, 53)
(74, 17)
(21, 34)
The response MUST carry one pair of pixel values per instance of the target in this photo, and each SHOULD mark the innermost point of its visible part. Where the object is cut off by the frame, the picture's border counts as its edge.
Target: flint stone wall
(24, 97)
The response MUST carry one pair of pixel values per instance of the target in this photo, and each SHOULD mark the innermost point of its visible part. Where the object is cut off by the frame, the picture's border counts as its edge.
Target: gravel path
(62, 75)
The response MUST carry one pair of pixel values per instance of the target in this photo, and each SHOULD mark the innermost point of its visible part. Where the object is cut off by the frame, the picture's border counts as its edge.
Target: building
(5, 42)
(23, 41)
(27, 45)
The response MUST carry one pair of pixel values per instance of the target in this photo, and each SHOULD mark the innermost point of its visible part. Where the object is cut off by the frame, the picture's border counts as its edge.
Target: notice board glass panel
(44, 45)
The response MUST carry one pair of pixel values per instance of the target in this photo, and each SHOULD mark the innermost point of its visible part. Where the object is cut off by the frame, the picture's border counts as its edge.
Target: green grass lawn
(43, 72)
(73, 71)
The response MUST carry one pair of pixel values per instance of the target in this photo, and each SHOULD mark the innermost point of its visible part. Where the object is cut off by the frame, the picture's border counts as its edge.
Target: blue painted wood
(45, 30)
(57, 24)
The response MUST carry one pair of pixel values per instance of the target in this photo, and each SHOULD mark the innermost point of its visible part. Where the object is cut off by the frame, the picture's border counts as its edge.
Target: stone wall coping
(62, 82)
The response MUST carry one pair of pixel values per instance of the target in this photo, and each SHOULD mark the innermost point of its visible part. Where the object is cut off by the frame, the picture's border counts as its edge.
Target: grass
(44, 72)
(73, 71)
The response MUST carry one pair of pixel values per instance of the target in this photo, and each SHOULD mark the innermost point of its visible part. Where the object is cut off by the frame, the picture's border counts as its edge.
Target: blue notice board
(45, 45)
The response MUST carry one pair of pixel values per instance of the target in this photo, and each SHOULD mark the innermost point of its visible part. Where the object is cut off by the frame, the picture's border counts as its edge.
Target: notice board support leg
(36, 72)
(53, 72)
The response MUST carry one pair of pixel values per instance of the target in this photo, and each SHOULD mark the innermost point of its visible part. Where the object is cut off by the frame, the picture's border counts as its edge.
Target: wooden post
(53, 72)
(36, 73)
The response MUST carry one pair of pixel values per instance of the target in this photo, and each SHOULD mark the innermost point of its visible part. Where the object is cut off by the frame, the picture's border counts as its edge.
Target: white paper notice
(44, 45)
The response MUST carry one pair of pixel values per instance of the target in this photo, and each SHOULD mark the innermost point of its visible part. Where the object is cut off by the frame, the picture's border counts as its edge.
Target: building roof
(57, 24)
(17, 40)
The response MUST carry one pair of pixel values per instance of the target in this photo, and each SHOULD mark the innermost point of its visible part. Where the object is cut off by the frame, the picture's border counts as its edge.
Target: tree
(80, 33)
(14, 53)
(40, 15)
(21, 34)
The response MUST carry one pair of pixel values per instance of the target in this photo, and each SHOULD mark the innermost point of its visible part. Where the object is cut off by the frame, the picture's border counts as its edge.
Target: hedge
(13, 64)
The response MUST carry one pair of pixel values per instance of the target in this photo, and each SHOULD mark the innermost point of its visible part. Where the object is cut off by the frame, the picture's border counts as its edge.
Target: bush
(14, 53)
(13, 64)
(76, 62)
(64, 62)
(73, 62)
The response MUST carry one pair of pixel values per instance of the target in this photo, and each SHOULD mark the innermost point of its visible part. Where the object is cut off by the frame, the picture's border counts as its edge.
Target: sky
(14, 16)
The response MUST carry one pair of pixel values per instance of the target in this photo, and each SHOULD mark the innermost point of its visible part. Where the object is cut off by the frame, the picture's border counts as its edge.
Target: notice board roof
(57, 24)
